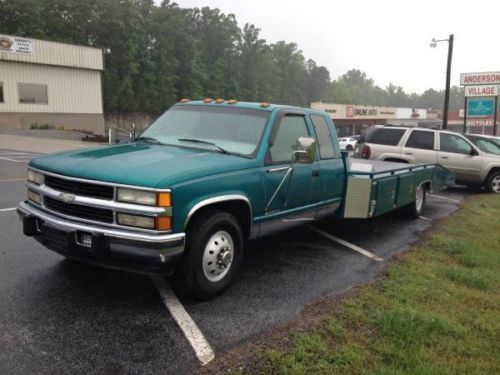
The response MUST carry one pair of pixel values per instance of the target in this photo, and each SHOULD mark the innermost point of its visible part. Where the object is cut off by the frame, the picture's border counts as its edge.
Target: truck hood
(141, 164)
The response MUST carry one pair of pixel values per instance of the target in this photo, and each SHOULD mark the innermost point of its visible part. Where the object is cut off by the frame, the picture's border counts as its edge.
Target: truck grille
(77, 210)
(79, 188)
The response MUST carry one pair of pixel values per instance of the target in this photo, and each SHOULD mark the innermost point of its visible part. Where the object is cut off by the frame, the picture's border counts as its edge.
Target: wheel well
(427, 185)
(394, 160)
(239, 208)
(492, 170)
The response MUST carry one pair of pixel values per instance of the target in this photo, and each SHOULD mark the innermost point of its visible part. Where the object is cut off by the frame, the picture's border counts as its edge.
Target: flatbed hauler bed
(377, 187)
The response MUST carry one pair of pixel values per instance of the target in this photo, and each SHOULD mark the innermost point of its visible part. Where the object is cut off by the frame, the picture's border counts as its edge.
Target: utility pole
(448, 76)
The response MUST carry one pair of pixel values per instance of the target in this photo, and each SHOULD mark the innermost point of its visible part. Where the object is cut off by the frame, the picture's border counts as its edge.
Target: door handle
(445, 157)
(408, 153)
(315, 173)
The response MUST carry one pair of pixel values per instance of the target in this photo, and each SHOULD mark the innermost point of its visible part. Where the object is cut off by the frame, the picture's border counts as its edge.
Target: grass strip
(436, 312)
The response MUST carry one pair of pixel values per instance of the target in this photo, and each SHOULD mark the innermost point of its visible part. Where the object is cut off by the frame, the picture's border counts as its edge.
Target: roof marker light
(265, 104)
(232, 101)
(219, 100)
(208, 100)
(184, 100)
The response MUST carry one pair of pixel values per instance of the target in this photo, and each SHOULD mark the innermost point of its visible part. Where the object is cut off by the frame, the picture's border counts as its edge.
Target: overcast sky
(389, 40)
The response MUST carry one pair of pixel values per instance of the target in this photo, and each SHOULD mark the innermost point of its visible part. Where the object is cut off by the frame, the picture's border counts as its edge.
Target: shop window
(32, 93)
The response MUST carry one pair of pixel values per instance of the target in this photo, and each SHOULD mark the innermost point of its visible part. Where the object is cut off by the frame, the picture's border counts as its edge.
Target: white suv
(421, 145)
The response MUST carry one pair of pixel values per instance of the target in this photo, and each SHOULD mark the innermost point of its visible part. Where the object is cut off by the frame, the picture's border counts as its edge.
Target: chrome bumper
(115, 248)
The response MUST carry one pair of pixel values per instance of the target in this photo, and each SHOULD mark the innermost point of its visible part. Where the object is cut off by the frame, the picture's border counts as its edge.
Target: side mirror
(116, 134)
(473, 152)
(305, 151)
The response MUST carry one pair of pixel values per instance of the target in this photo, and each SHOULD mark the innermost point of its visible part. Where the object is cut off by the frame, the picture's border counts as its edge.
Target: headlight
(34, 197)
(35, 177)
(136, 221)
(136, 196)
(148, 198)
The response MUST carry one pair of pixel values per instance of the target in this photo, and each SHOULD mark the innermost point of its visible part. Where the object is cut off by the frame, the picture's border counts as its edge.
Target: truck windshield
(233, 130)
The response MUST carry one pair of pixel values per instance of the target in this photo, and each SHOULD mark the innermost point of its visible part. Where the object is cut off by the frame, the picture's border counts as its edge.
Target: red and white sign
(486, 78)
(481, 90)
(480, 122)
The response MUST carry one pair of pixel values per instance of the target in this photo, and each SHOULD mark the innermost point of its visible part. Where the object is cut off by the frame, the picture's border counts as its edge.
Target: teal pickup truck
(203, 179)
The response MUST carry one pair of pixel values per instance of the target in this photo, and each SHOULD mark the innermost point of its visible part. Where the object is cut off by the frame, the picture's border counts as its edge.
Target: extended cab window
(384, 136)
(421, 139)
(326, 149)
(290, 129)
(454, 143)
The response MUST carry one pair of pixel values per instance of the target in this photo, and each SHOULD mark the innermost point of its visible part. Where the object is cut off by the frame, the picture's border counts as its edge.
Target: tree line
(156, 54)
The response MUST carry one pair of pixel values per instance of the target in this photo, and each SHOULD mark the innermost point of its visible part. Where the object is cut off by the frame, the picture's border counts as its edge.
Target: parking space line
(13, 179)
(347, 244)
(445, 198)
(424, 218)
(198, 342)
(15, 161)
(7, 209)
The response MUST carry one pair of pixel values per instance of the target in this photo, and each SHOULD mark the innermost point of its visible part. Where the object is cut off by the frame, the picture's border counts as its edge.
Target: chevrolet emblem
(66, 197)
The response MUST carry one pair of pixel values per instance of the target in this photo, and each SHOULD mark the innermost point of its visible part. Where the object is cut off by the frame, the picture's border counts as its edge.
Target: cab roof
(268, 107)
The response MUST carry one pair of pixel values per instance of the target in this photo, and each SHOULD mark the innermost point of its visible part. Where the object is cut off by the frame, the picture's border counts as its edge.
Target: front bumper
(112, 248)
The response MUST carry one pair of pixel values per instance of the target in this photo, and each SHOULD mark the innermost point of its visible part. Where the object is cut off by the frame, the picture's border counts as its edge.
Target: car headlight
(35, 177)
(148, 198)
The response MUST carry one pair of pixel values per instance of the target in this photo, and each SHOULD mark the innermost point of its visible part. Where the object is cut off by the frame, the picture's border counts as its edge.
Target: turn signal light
(163, 223)
(164, 199)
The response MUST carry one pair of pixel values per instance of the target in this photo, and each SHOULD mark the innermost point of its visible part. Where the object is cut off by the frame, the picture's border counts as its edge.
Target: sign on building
(15, 45)
(481, 107)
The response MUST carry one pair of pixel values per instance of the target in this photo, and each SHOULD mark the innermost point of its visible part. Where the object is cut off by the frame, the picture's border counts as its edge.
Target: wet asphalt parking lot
(59, 316)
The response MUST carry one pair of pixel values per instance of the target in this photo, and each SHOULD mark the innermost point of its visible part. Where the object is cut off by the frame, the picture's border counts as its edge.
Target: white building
(51, 84)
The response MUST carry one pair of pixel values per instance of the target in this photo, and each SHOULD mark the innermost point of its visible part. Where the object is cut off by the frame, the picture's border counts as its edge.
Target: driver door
(288, 188)
(456, 154)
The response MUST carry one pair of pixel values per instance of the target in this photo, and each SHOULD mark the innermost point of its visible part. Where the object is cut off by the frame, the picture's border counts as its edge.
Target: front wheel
(493, 182)
(414, 209)
(214, 250)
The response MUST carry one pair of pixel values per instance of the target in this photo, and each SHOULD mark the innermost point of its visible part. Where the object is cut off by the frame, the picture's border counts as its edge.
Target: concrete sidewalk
(40, 145)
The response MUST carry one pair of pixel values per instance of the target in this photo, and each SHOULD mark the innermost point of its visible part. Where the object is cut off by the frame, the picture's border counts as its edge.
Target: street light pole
(448, 76)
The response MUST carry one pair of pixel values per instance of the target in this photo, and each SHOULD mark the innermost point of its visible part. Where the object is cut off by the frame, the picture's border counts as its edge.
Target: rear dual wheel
(414, 209)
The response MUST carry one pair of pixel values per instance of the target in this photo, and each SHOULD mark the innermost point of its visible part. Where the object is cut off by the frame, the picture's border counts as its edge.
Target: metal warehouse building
(48, 84)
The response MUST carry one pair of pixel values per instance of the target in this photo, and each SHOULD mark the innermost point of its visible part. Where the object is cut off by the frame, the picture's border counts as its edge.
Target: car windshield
(487, 145)
(229, 130)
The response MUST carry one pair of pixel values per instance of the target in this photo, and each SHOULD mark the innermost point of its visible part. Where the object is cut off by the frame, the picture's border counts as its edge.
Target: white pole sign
(487, 78)
(481, 90)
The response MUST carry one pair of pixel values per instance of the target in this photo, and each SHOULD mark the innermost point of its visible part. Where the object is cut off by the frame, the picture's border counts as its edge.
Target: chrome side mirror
(305, 151)
(115, 132)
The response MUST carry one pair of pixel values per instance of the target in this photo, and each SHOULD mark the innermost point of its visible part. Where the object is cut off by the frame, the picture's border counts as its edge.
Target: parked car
(348, 143)
(485, 143)
(201, 180)
(471, 164)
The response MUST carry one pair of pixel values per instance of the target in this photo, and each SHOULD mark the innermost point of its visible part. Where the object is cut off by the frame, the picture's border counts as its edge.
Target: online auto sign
(481, 92)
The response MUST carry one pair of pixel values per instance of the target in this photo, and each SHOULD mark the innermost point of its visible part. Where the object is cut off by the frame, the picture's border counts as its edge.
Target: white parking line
(424, 218)
(13, 179)
(198, 342)
(7, 209)
(15, 161)
(347, 244)
(445, 198)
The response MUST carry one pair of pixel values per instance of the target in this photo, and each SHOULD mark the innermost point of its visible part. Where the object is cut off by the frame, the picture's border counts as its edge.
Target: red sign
(349, 111)
(487, 78)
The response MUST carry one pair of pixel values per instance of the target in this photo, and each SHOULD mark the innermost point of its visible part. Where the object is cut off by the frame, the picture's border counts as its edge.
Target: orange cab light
(219, 100)
(265, 104)
(184, 100)
(232, 101)
(208, 100)
(164, 199)
(163, 223)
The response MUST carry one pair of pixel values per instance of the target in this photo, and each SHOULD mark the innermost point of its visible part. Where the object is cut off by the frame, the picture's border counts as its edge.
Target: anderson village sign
(481, 96)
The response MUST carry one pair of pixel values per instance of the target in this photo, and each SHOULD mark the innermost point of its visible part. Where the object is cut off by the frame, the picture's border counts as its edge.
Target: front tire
(493, 182)
(214, 250)
(414, 209)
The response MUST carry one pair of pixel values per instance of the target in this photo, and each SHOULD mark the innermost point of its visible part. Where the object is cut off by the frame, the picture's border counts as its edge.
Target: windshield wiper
(195, 140)
(149, 140)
